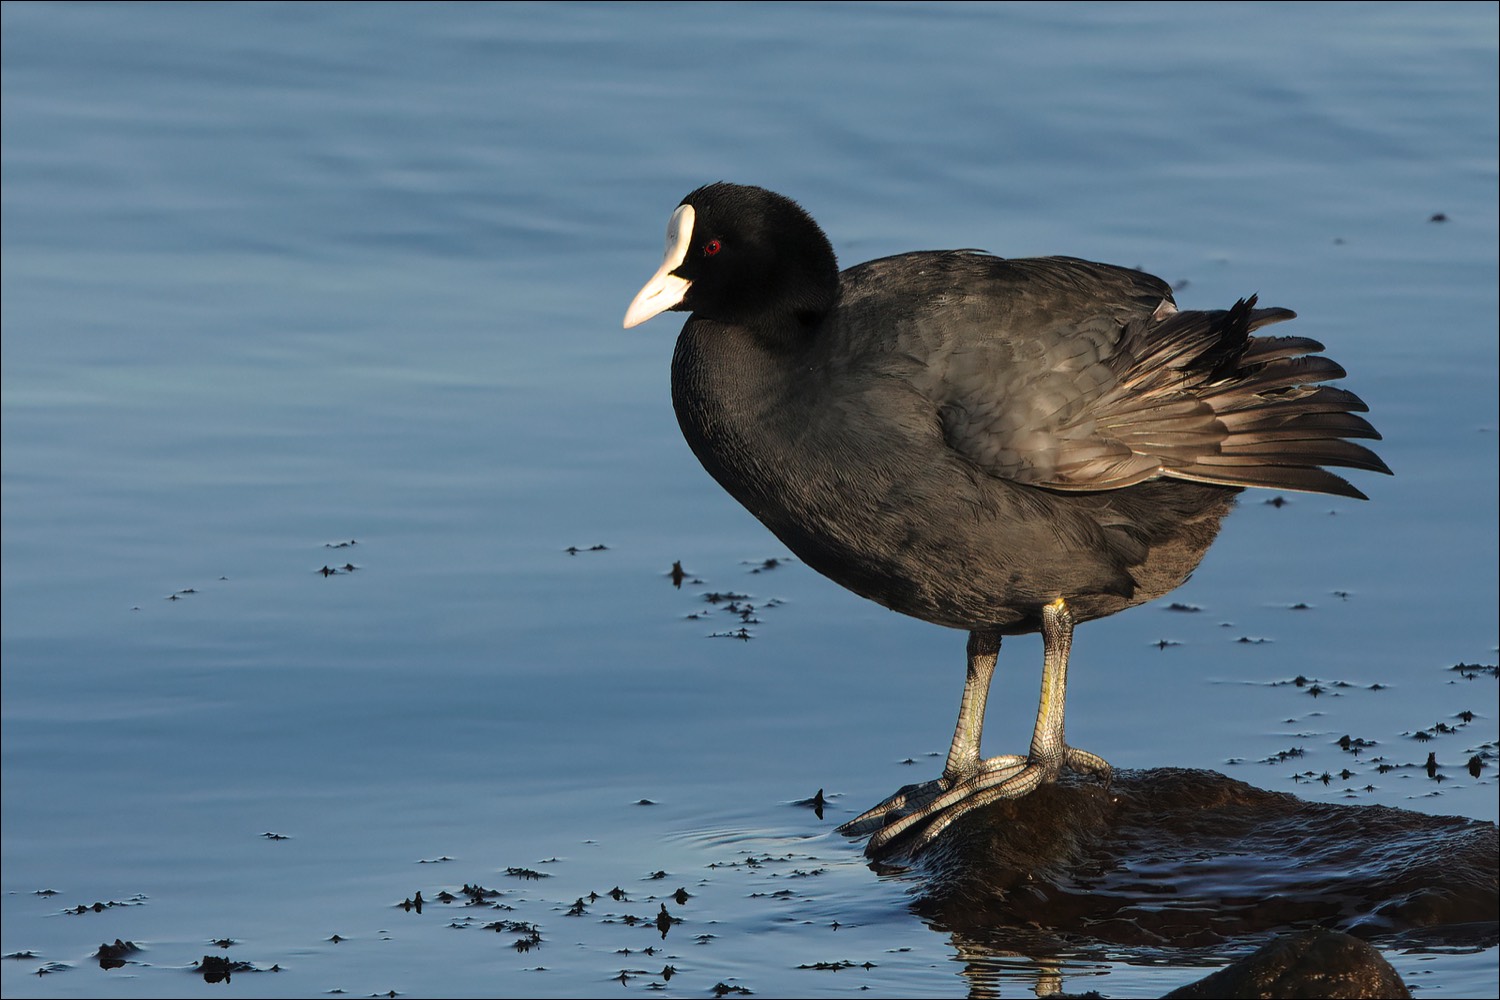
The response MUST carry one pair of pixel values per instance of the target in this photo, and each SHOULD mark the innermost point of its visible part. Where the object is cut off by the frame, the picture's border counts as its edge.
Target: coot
(1000, 446)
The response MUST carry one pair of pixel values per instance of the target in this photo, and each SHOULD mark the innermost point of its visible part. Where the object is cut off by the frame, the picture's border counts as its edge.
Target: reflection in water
(989, 971)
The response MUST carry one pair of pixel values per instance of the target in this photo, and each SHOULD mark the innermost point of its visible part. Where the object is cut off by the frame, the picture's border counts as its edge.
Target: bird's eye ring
(712, 247)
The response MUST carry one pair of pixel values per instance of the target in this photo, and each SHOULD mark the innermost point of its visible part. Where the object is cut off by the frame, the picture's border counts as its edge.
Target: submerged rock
(1306, 966)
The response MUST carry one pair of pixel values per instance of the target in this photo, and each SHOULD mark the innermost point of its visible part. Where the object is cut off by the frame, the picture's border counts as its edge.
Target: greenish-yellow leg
(969, 782)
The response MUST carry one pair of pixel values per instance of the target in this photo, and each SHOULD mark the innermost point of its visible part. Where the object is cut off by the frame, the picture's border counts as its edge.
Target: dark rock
(1303, 966)
(1193, 859)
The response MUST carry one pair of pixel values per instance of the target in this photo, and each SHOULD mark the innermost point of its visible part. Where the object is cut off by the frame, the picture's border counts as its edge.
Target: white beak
(665, 289)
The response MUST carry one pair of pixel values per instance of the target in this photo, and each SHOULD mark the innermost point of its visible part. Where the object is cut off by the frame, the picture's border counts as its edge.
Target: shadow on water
(1191, 867)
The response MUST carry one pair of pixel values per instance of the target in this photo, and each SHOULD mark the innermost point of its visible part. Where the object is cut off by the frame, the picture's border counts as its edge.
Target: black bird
(1000, 446)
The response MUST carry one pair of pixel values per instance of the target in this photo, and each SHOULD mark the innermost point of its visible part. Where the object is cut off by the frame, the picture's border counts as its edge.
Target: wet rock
(1193, 859)
(1311, 964)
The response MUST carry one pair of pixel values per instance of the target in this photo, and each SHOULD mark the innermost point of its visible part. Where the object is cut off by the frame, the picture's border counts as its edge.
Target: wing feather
(1106, 395)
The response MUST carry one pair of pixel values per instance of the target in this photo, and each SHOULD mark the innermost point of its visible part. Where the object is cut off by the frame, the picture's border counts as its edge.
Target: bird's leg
(1006, 777)
(1048, 747)
(963, 755)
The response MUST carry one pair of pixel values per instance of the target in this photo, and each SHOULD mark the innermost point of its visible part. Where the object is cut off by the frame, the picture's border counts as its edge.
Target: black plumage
(973, 440)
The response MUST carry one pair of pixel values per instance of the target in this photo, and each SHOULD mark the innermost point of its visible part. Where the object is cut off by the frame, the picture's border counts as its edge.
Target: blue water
(278, 277)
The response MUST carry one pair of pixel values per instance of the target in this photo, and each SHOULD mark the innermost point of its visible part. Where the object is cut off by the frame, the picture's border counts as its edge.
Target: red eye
(712, 247)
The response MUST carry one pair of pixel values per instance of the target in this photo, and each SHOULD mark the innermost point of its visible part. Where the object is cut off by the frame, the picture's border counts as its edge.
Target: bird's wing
(1087, 377)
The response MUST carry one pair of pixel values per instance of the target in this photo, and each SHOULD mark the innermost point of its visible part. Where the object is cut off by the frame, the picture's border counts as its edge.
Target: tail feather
(1303, 480)
(1277, 424)
(1282, 374)
(1309, 451)
(1315, 399)
(1263, 349)
(1193, 395)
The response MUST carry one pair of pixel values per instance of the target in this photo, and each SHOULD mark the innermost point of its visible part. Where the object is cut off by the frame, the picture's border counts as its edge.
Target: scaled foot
(924, 810)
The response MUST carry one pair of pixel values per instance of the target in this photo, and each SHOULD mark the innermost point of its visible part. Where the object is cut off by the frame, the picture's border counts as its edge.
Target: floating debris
(478, 894)
(530, 937)
(526, 873)
(837, 966)
(1355, 745)
(216, 968)
(101, 907)
(816, 803)
(113, 956)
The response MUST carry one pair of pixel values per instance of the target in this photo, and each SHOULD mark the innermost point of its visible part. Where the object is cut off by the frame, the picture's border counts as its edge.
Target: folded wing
(1118, 399)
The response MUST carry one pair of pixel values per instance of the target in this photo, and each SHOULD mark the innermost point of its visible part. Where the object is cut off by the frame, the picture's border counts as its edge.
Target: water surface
(281, 277)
